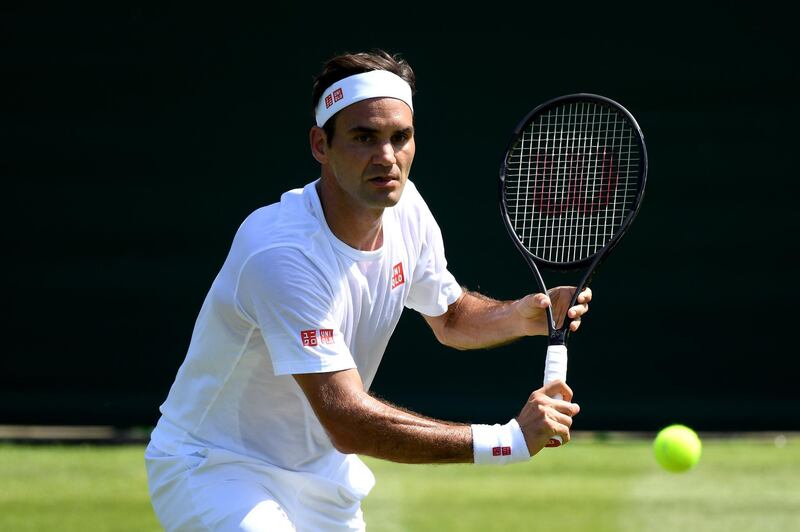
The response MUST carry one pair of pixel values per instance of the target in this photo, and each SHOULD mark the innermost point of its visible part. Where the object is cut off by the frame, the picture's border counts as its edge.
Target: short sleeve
(288, 297)
(433, 287)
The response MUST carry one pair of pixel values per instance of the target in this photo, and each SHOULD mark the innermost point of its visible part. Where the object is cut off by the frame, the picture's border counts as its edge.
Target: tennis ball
(677, 448)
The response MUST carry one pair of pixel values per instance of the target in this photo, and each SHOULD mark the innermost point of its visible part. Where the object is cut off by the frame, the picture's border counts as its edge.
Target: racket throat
(557, 337)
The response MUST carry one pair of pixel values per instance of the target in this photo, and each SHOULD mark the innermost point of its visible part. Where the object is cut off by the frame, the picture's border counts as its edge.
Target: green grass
(740, 485)
(80, 488)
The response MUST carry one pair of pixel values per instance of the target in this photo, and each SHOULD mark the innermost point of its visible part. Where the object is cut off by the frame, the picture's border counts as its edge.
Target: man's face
(371, 153)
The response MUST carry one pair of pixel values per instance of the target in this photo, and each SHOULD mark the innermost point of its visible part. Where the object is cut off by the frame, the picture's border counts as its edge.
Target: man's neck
(357, 227)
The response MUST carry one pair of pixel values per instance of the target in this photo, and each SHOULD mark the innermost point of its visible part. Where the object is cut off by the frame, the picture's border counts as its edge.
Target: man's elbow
(444, 337)
(453, 344)
(446, 328)
(342, 407)
(345, 443)
(346, 424)
(346, 439)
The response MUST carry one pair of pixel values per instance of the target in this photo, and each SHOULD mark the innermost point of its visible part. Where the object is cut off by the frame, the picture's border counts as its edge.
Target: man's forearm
(476, 321)
(359, 423)
(374, 428)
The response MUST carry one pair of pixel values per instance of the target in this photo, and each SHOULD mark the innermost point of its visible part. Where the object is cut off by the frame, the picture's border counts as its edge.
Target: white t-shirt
(292, 298)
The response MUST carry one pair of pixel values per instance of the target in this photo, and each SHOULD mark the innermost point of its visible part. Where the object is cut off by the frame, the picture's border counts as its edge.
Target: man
(261, 428)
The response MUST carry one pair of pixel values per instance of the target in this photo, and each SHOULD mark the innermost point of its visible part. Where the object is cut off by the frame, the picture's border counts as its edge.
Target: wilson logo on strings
(575, 181)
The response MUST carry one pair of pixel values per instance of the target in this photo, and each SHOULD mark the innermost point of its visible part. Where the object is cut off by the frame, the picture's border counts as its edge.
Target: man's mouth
(383, 179)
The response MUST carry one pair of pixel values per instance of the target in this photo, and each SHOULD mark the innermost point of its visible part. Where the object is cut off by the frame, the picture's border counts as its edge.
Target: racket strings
(572, 179)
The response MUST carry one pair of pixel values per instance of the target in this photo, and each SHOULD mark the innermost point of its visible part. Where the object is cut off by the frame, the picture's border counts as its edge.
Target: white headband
(352, 89)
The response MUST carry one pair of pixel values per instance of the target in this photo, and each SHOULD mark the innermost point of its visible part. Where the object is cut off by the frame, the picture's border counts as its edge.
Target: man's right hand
(543, 417)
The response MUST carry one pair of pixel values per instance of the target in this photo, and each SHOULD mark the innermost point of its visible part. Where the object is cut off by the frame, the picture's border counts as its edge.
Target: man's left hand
(532, 309)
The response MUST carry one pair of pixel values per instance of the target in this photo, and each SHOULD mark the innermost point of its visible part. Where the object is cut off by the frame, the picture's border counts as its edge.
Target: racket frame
(558, 336)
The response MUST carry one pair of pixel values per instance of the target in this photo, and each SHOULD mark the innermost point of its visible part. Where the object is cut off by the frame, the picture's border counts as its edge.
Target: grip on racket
(555, 368)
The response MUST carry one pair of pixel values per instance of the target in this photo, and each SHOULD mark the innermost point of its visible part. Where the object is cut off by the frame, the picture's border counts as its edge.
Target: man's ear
(319, 144)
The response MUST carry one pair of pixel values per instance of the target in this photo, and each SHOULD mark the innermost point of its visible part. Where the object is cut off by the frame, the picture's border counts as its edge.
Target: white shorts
(216, 490)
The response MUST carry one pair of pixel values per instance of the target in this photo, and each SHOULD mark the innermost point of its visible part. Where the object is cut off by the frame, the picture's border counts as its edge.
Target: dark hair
(342, 66)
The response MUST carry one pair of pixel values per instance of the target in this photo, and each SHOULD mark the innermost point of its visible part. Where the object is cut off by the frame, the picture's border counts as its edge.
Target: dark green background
(135, 143)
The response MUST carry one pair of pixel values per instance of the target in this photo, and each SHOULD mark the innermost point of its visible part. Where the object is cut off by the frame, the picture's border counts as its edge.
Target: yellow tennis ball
(677, 448)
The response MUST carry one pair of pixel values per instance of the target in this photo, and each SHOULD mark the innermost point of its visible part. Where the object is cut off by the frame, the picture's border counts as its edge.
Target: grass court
(741, 484)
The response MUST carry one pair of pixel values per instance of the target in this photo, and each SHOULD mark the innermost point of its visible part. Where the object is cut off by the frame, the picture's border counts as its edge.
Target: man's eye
(400, 138)
(363, 138)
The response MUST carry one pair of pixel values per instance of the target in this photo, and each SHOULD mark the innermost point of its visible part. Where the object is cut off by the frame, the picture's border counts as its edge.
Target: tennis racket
(571, 183)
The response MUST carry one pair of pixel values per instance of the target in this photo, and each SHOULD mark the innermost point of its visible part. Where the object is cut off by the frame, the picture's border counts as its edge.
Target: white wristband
(499, 444)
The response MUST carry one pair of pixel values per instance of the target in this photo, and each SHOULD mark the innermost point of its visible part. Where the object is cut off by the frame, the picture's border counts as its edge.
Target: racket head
(572, 180)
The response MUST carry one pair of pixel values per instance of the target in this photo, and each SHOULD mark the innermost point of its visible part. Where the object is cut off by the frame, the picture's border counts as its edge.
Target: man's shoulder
(285, 231)
(285, 222)
(412, 208)
(411, 195)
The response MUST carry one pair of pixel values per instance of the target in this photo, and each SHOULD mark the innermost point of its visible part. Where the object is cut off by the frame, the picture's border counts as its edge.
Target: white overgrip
(555, 368)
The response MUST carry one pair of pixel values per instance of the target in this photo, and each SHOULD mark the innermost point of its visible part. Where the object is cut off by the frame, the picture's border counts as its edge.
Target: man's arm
(358, 423)
(475, 321)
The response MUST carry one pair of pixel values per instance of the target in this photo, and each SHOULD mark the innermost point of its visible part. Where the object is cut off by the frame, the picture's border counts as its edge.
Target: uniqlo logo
(328, 101)
(337, 95)
(326, 336)
(397, 275)
(501, 451)
(309, 338)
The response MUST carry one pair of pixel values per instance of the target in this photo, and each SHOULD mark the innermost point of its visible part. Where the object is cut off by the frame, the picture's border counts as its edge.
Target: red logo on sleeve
(397, 275)
(326, 336)
(314, 337)
(337, 95)
(309, 338)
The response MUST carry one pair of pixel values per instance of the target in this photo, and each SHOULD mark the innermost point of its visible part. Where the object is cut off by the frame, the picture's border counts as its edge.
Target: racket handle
(555, 368)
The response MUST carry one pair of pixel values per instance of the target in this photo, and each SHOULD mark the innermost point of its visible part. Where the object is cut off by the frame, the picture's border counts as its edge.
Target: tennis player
(261, 428)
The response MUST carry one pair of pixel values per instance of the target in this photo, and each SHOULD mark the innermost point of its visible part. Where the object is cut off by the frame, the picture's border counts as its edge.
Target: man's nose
(385, 155)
